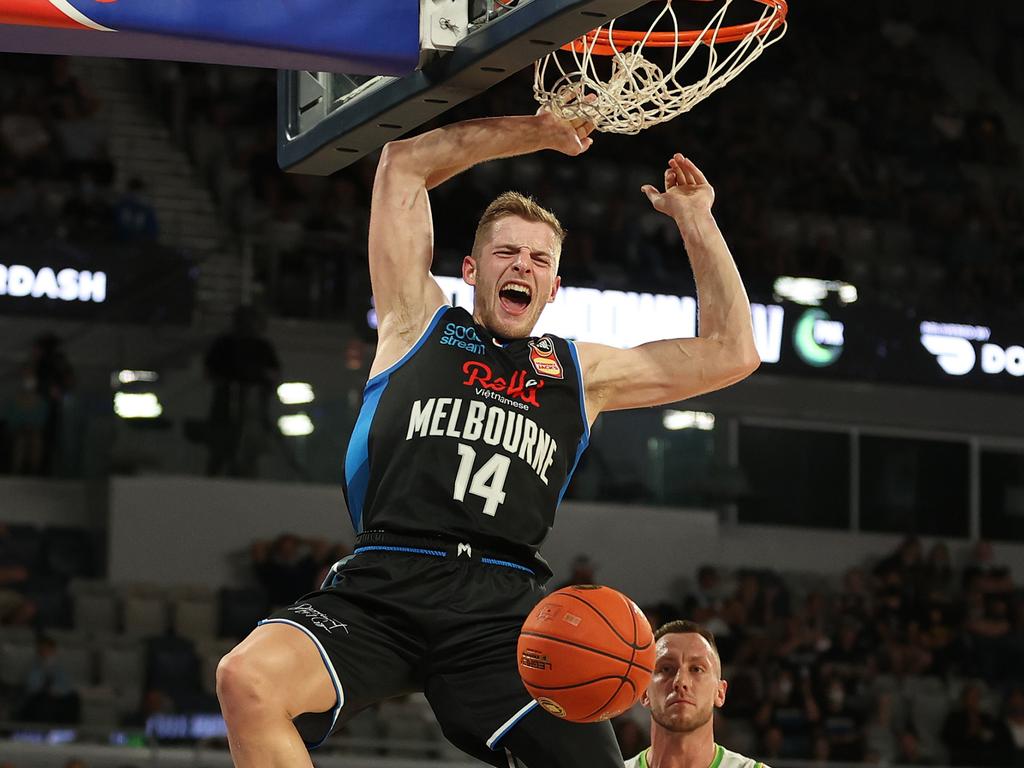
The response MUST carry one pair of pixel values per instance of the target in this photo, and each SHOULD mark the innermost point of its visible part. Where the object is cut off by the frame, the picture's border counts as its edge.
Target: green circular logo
(817, 338)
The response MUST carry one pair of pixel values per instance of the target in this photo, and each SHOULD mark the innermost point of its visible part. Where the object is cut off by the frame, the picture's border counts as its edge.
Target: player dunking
(468, 435)
(685, 690)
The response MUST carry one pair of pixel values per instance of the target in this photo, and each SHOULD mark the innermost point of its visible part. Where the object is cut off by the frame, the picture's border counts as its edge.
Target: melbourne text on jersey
(472, 420)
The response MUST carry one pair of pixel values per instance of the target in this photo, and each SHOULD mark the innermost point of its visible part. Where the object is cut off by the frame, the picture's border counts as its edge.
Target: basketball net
(634, 93)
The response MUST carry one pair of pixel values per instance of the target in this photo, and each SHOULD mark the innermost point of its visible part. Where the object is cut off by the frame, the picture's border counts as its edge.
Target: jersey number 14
(488, 482)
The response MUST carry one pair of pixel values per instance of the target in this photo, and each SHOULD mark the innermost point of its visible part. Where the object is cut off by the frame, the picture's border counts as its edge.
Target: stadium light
(137, 405)
(295, 393)
(131, 377)
(810, 291)
(676, 420)
(295, 425)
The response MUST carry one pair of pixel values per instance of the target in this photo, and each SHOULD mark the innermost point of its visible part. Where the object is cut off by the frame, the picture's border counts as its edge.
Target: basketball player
(468, 435)
(685, 690)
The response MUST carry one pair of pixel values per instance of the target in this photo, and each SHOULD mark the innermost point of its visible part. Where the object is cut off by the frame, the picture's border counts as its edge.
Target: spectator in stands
(582, 572)
(243, 368)
(910, 750)
(49, 697)
(54, 378)
(841, 723)
(973, 736)
(25, 415)
(1013, 716)
(993, 577)
(15, 608)
(87, 216)
(288, 567)
(706, 599)
(134, 217)
(939, 581)
(154, 702)
(791, 709)
(880, 732)
(631, 737)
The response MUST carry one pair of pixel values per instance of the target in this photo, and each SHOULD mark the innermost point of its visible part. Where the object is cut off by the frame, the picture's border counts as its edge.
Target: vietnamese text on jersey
(467, 437)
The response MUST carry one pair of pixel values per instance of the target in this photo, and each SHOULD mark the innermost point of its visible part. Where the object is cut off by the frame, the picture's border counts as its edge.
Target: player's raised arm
(401, 231)
(662, 372)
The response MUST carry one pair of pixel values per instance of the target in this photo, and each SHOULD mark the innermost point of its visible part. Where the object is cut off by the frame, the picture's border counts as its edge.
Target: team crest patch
(543, 358)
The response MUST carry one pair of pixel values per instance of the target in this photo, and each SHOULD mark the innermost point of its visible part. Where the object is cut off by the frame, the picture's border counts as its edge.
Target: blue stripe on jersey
(357, 459)
(585, 439)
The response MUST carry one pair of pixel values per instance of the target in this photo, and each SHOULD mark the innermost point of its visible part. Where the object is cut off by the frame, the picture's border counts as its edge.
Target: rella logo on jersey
(463, 337)
(470, 421)
(516, 387)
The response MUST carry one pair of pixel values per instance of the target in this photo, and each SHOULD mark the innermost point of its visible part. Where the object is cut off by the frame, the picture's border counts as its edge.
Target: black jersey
(468, 438)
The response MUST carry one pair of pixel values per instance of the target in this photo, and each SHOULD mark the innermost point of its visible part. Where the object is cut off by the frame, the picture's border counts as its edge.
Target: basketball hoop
(637, 93)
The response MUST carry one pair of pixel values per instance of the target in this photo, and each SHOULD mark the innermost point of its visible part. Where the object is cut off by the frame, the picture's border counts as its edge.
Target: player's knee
(243, 681)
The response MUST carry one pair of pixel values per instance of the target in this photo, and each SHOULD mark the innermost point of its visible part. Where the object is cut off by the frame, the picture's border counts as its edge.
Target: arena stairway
(140, 145)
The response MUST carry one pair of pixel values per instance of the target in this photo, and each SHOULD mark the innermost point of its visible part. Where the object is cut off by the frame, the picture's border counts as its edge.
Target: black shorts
(434, 621)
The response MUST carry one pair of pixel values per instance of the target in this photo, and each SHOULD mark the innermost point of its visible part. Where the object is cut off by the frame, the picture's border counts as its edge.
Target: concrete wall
(195, 529)
(35, 501)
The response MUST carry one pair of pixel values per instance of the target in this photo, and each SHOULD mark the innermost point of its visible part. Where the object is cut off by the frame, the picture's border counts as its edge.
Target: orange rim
(601, 43)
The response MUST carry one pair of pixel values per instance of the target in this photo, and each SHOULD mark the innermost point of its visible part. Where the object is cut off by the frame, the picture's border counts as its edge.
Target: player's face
(686, 685)
(515, 274)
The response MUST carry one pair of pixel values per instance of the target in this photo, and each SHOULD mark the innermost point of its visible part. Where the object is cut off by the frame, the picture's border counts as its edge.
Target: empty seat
(95, 612)
(211, 651)
(195, 618)
(16, 657)
(144, 615)
(76, 658)
(99, 707)
(122, 668)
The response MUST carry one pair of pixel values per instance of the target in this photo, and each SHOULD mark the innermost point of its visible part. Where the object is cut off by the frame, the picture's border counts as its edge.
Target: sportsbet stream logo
(817, 338)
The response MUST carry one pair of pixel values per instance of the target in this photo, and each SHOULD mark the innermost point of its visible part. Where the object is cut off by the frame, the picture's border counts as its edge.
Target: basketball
(586, 653)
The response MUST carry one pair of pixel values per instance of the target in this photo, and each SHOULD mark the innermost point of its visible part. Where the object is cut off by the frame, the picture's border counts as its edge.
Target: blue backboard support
(328, 121)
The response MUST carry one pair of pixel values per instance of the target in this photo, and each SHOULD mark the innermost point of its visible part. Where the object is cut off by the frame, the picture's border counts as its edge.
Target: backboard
(327, 120)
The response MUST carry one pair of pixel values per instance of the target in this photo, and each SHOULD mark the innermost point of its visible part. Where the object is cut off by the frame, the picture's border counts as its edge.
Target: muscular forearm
(438, 155)
(724, 310)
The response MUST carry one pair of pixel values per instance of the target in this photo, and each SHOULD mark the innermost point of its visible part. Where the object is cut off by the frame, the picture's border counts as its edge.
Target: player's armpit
(400, 253)
(661, 372)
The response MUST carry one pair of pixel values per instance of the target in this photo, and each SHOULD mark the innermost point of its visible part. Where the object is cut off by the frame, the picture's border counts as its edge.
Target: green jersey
(723, 759)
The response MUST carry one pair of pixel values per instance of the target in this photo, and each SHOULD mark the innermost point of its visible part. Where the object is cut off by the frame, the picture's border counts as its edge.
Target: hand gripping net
(636, 93)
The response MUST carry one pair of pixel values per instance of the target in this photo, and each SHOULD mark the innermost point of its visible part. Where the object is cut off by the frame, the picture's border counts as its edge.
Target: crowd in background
(856, 161)
(908, 660)
(57, 177)
(915, 658)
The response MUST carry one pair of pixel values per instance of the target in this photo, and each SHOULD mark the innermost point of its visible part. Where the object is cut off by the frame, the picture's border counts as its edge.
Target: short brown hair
(515, 204)
(685, 627)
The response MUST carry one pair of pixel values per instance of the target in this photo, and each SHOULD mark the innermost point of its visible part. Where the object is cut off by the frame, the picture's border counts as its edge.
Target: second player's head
(514, 265)
(687, 683)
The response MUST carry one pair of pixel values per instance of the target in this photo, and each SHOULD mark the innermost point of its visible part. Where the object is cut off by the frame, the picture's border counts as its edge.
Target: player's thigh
(541, 740)
(487, 711)
(365, 646)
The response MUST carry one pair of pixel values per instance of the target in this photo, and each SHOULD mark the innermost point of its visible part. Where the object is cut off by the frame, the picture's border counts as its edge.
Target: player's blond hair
(515, 204)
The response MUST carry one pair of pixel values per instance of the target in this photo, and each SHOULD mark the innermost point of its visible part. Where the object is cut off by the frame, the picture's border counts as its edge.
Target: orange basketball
(586, 653)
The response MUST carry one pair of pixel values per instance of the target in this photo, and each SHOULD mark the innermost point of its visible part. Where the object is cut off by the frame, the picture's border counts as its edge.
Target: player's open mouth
(515, 298)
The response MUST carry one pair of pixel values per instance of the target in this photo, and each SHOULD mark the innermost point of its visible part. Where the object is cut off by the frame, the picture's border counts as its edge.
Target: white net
(606, 77)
